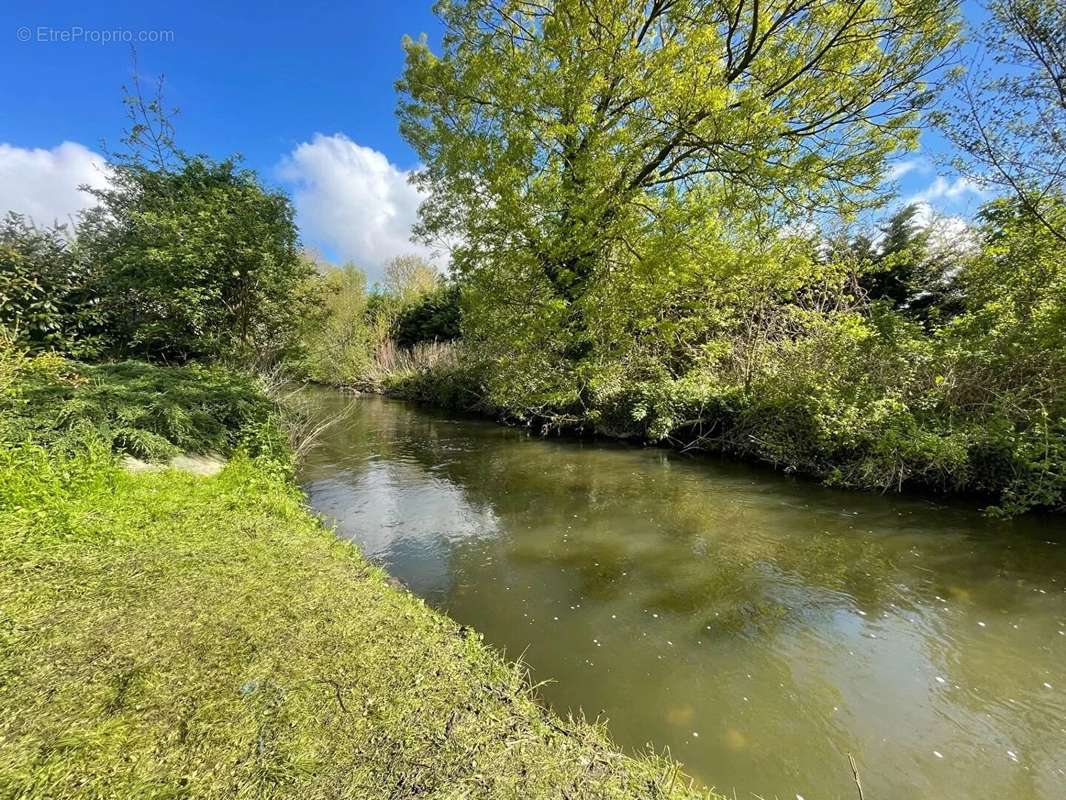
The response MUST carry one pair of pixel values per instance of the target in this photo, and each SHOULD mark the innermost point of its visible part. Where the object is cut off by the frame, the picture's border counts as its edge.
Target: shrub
(197, 261)
(44, 303)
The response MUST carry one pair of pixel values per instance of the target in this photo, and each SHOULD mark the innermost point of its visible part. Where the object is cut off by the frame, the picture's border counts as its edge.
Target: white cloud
(352, 201)
(949, 237)
(43, 184)
(943, 189)
(901, 168)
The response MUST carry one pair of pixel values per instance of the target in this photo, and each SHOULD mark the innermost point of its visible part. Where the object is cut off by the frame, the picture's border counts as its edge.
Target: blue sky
(303, 90)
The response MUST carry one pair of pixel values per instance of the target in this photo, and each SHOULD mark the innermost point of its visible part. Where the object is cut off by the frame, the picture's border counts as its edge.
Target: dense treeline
(665, 225)
(374, 338)
(881, 367)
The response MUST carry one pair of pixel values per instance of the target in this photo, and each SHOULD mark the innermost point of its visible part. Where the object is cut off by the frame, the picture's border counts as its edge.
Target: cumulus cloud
(943, 189)
(352, 201)
(949, 236)
(43, 184)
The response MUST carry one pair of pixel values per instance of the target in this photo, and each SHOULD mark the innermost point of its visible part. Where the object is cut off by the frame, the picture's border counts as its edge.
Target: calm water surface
(759, 627)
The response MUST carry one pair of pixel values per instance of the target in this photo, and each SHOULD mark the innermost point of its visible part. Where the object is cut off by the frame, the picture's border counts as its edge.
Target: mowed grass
(169, 636)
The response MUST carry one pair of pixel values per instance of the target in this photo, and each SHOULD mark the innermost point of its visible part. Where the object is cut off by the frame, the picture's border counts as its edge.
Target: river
(757, 626)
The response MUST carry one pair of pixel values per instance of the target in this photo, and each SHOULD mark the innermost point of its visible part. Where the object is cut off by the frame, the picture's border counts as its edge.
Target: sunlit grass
(170, 636)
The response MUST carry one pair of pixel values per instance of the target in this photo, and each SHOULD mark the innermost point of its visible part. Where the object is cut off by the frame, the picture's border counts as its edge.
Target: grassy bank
(165, 635)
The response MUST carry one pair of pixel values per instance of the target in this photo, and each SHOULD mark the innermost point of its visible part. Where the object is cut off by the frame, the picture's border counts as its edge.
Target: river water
(759, 627)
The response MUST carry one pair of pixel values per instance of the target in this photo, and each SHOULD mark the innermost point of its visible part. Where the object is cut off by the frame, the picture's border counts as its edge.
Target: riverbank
(165, 634)
(885, 448)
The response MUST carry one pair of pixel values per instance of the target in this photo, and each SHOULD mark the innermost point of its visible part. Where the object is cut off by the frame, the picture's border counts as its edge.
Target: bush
(44, 302)
(197, 261)
(136, 408)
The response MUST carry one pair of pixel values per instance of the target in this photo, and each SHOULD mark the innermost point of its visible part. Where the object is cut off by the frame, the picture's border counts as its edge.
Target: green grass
(170, 636)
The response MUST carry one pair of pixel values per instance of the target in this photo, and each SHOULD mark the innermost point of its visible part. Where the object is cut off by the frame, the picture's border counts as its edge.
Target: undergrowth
(143, 410)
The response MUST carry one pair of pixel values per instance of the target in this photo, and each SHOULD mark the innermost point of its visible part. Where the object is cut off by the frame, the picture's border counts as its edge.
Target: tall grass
(392, 364)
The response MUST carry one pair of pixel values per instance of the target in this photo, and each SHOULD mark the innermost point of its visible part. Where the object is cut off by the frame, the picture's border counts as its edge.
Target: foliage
(43, 300)
(1006, 371)
(619, 200)
(363, 339)
(407, 277)
(427, 372)
(895, 260)
(146, 411)
(340, 341)
(431, 317)
(196, 263)
(560, 139)
(775, 351)
(182, 258)
(1008, 125)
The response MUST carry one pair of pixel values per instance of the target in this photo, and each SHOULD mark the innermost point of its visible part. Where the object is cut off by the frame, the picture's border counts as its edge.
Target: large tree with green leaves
(192, 258)
(554, 131)
(195, 262)
(591, 159)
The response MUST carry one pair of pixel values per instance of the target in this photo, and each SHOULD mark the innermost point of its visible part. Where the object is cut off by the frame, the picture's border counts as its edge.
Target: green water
(759, 627)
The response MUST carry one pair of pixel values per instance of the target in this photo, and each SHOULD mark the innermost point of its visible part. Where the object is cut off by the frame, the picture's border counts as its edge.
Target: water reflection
(760, 627)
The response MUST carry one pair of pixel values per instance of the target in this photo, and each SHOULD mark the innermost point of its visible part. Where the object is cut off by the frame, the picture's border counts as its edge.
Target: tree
(911, 268)
(432, 317)
(553, 133)
(409, 276)
(897, 259)
(340, 340)
(1009, 123)
(193, 257)
(588, 157)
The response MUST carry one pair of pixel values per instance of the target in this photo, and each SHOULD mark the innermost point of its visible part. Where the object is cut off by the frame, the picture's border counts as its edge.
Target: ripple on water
(760, 627)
